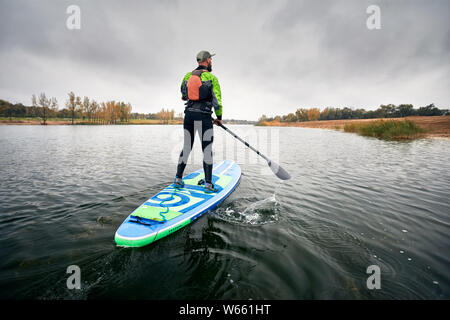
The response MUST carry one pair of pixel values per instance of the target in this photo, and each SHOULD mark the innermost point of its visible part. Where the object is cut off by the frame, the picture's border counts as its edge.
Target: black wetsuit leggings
(201, 122)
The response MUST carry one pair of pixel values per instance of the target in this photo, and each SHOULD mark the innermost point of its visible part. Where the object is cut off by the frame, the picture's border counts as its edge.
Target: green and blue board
(172, 208)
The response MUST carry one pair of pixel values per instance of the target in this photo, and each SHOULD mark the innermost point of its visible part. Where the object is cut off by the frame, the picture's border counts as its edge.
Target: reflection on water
(352, 202)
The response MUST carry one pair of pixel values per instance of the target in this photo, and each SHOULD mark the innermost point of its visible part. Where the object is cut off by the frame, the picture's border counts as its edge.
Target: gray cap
(203, 55)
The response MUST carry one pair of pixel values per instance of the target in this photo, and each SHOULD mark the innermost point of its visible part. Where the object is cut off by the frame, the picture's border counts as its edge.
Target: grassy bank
(435, 126)
(387, 129)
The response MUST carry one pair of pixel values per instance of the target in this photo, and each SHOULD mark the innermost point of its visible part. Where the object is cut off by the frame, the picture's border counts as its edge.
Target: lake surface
(353, 202)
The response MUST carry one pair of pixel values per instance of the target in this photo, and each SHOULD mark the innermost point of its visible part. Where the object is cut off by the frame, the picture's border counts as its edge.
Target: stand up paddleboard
(172, 208)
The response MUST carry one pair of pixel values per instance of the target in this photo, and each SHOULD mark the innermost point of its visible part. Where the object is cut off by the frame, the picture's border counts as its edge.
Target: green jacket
(217, 95)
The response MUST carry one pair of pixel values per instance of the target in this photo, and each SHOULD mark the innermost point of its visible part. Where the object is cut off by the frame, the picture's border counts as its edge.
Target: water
(352, 202)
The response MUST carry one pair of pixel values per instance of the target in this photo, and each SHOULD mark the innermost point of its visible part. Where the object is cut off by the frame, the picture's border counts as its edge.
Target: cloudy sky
(272, 57)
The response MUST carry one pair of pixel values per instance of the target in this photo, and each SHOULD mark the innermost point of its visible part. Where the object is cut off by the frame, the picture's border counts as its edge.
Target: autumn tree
(102, 113)
(324, 114)
(263, 118)
(125, 111)
(313, 114)
(92, 110)
(301, 114)
(165, 115)
(110, 112)
(289, 118)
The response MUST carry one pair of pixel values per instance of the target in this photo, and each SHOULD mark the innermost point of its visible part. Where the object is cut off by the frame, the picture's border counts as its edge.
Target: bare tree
(53, 107)
(43, 104)
(93, 110)
(46, 106)
(72, 104)
(84, 107)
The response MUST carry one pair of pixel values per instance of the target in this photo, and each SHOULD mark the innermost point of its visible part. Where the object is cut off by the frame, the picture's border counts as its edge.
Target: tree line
(330, 113)
(164, 114)
(86, 109)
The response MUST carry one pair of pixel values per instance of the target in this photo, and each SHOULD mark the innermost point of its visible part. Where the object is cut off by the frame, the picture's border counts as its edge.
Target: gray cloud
(272, 56)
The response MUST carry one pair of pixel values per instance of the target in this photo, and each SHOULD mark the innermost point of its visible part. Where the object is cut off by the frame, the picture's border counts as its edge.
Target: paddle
(275, 167)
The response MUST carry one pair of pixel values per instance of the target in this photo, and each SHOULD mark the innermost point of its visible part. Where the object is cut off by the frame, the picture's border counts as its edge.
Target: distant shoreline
(53, 121)
(436, 126)
(38, 121)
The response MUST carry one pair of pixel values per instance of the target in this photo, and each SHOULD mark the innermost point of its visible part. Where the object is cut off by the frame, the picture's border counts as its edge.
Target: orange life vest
(197, 90)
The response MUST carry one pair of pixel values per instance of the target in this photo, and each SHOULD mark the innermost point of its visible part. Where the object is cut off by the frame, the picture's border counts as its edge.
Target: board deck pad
(172, 208)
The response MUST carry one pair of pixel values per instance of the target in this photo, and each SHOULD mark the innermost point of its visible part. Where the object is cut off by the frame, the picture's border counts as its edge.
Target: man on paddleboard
(201, 91)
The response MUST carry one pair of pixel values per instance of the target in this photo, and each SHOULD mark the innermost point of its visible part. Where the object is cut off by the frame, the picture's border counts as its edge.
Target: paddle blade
(278, 171)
